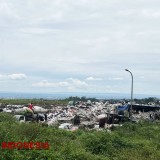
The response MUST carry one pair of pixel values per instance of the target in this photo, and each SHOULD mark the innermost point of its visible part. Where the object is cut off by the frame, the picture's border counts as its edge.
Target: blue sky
(79, 46)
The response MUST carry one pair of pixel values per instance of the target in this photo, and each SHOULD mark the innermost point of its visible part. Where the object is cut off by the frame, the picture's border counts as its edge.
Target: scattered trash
(90, 115)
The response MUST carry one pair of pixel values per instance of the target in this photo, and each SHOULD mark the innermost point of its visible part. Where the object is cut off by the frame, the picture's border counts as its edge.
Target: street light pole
(131, 91)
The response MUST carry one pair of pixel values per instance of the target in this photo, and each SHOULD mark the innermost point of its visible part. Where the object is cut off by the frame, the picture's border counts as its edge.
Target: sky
(49, 46)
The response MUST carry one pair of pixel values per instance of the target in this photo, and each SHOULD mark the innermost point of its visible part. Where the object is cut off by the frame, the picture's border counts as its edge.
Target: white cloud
(93, 79)
(17, 76)
(14, 76)
(45, 83)
(77, 84)
(72, 84)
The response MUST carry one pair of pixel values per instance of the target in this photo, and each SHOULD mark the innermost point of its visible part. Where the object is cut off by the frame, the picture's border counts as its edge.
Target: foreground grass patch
(129, 142)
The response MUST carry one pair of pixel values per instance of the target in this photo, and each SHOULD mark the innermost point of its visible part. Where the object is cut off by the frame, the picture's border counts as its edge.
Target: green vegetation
(42, 102)
(45, 102)
(148, 100)
(48, 103)
(129, 142)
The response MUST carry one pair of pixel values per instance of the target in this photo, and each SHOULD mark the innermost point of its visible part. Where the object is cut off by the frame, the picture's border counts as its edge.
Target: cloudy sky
(80, 46)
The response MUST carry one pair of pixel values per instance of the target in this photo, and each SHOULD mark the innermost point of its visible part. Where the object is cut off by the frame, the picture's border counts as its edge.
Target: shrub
(7, 117)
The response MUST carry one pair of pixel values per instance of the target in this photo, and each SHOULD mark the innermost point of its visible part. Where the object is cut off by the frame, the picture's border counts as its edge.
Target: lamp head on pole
(127, 70)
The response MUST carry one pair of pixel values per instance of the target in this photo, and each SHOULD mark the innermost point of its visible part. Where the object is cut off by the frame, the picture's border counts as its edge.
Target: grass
(41, 102)
(130, 142)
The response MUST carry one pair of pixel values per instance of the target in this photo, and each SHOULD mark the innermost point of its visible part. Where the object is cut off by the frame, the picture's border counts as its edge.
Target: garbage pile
(151, 116)
(83, 114)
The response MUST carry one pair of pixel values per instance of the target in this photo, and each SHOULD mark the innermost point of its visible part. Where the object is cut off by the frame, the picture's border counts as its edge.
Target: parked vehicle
(20, 118)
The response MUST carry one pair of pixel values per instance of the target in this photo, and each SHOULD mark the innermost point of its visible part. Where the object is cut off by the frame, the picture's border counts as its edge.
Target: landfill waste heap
(89, 115)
